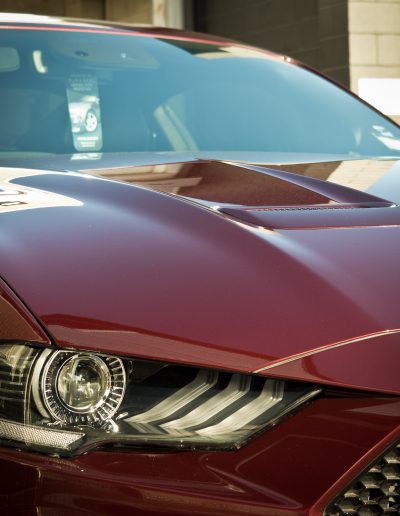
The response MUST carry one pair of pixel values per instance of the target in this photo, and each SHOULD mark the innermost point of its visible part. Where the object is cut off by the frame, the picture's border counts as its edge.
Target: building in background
(357, 42)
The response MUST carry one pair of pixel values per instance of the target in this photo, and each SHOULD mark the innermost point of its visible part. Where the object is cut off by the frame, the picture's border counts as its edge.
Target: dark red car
(199, 296)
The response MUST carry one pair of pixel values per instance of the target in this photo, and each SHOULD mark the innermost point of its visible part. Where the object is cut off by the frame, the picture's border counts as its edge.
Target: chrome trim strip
(327, 348)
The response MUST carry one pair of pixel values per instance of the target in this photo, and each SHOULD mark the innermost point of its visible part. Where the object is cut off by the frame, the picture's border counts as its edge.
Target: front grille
(374, 492)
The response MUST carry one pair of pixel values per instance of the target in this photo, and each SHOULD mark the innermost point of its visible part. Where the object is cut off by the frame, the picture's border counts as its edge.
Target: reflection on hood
(17, 197)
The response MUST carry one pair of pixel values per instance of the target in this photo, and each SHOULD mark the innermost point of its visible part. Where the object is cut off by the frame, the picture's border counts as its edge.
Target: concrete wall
(374, 45)
(137, 11)
(159, 12)
(333, 39)
(76, 8)
(374, 40)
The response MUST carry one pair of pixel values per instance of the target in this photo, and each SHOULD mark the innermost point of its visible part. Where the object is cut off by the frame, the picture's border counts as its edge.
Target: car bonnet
(274, 269)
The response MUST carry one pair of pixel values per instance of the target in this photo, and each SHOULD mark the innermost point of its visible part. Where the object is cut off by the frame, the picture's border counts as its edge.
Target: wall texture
(159, 12)
(374, 39)
(139, 11)
(76, 8)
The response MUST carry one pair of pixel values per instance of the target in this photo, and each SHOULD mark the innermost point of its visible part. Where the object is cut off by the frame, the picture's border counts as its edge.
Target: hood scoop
(263, 195)
(344, 207)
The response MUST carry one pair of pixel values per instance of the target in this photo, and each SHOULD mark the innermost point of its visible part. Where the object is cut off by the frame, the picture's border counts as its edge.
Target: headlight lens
(83, 388)
(66, 402)
(83, 383)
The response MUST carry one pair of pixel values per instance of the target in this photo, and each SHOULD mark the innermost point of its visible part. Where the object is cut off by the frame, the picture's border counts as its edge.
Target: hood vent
(317, 207)
(344, 207)
(315, 217)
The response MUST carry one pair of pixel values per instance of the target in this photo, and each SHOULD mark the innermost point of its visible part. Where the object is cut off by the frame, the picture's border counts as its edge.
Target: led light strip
(238, 387)
(217, 416)
(271, 394)
(204, 381)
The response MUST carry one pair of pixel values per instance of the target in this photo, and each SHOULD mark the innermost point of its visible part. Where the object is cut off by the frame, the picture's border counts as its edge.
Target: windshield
(75, 91)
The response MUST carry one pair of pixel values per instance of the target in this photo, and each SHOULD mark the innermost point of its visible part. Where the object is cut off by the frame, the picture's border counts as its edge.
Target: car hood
(287, 270)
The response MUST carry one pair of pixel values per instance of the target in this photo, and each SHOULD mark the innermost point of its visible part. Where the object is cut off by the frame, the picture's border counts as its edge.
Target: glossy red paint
(281, 473)
(249, 296)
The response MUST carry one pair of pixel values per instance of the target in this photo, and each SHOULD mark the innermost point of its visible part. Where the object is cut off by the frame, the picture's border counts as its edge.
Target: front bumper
(296, 468)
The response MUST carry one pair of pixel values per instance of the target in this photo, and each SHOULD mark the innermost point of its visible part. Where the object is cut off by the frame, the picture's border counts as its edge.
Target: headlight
(67, 402)
(79, 387)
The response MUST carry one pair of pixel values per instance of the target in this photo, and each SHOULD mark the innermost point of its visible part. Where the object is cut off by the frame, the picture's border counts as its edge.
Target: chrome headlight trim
(107, 404)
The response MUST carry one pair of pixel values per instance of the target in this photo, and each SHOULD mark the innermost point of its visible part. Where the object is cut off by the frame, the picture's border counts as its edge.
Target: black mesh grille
(376, 491)
(308, 208)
